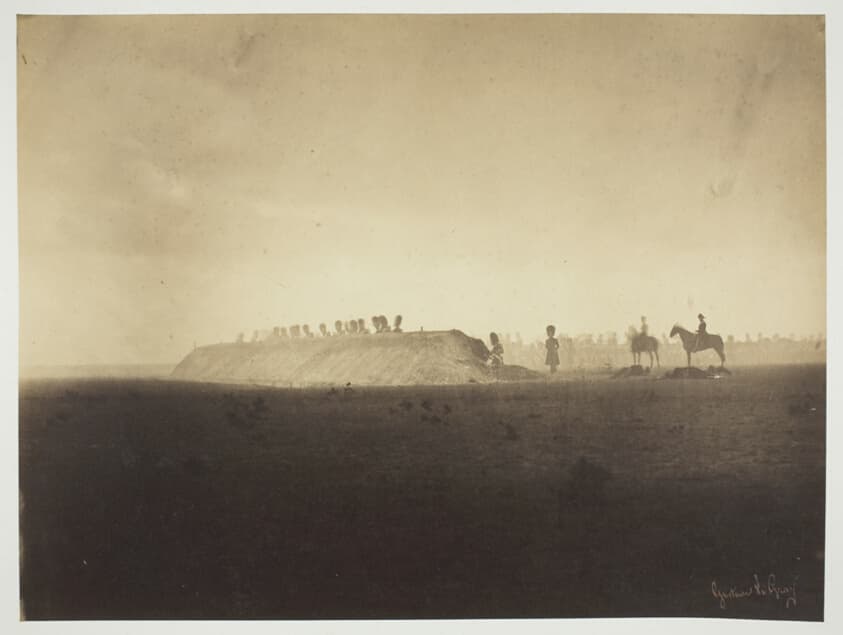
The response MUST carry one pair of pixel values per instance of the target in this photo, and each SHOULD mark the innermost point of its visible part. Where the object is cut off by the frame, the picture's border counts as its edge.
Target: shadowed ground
(625, 497)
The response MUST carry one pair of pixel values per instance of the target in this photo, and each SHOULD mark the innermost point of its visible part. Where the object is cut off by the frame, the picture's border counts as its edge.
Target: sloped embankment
(436, 357)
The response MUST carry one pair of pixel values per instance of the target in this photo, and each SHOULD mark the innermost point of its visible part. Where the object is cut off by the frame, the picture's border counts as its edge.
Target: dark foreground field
(157, 499)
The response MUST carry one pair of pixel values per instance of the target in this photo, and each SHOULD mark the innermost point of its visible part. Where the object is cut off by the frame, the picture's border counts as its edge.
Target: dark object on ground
(586, 486)
(511, 432)
(712, 372)
(718, 370)
(510, 372)
(633, 371)
(691, 372)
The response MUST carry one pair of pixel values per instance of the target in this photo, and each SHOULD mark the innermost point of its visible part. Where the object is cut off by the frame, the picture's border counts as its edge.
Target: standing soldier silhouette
(644, 326)
(496, 354)
(552, 346)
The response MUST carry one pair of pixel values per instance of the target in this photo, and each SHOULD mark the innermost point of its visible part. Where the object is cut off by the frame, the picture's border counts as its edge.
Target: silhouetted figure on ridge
(351, 327)
(396, 328)
(240, 337)
(295, 331)
(384, 324)
(361, 326)
(306, 330)
(338, 327)
(323, 329)
(283, 332)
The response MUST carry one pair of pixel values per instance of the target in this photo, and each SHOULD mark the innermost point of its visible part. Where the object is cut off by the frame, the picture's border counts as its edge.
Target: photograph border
(9, 565)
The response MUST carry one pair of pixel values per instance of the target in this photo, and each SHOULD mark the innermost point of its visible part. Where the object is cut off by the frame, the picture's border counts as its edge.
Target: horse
(690, 344)
(644, 344)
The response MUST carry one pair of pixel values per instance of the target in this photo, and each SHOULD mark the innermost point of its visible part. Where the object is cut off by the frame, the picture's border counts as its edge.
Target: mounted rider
(701, 332)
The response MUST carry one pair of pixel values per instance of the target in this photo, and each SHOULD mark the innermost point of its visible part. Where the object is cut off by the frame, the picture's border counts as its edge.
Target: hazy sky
(185, 178)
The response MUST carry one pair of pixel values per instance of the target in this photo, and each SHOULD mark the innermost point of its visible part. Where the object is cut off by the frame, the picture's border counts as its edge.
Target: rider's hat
(701, 316)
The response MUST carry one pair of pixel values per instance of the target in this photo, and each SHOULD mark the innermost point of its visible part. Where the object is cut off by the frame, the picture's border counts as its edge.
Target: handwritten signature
(770, 589)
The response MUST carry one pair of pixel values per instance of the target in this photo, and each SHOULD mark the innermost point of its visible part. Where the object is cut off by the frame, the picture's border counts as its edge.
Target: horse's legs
(657, 359)
(689, 358)
(722, 357)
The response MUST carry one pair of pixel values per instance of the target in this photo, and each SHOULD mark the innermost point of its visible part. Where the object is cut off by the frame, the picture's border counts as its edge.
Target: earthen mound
(420, 358)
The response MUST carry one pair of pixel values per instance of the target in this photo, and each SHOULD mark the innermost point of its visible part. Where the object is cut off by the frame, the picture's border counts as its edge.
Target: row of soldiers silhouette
(380, 324)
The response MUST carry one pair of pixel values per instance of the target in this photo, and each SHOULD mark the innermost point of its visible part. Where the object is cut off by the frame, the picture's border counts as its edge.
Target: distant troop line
(380, 324)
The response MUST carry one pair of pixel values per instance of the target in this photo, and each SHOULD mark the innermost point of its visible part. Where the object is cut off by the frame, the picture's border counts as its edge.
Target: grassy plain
(145, 498)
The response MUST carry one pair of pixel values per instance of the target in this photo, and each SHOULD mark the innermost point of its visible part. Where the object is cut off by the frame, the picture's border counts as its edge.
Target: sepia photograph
(421, 316)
